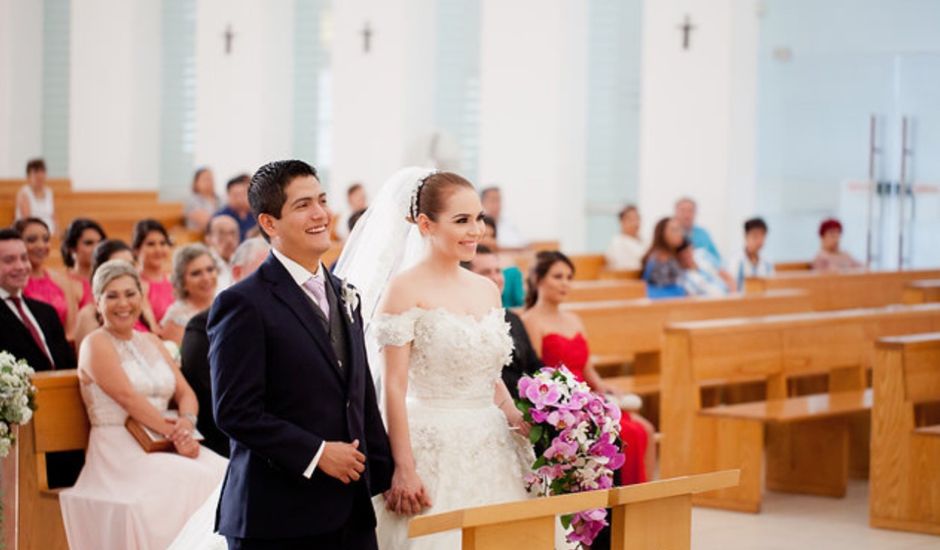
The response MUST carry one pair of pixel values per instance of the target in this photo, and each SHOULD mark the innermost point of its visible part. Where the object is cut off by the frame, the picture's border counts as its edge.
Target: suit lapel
(284, 288)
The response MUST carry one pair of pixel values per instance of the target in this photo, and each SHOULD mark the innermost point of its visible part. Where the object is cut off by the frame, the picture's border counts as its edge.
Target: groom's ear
(266, 222)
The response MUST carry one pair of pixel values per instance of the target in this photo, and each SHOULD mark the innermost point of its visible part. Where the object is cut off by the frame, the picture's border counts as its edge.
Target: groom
(291, 385)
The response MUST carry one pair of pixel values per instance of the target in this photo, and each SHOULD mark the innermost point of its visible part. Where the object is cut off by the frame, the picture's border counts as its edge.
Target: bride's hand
(407, 495)
(516, 420)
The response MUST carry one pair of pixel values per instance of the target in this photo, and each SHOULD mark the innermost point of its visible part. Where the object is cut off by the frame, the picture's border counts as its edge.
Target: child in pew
(831, 257)
(661, 269)
(559, 338)
(750, 263)
(700, 277)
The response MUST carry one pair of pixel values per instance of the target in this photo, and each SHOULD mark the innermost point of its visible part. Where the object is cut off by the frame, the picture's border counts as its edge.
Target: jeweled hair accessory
(416, 196)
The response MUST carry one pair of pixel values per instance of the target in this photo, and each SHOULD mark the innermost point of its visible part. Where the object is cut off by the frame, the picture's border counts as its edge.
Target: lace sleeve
(395, 330)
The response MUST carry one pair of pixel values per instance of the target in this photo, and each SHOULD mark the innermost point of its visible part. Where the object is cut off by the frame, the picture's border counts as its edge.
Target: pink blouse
(46, 290)
(160, 296)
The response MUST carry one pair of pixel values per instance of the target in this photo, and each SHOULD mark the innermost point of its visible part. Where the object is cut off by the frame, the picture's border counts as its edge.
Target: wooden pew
(633, 329)
(606, 290)
(833, 291)
(59, 424)
(905, 457)
(648, 516)
(793, 266)
(921, 292)
(809, 437)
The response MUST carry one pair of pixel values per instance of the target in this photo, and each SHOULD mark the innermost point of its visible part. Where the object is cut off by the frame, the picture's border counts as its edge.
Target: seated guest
(237, 205)
(81, 238)
(194, 281)
(202, 202)
(34, 200)
(194, 351)
(524, 359)
(30, 330)
(356, 201)
(222, 239)
(830, 257)
(700, 278)
(685, 212)
(509, 235)
(626, 249)
(661, 269)
(88, 318)
(126, 497)
(47, 285)
(751, 263)
(559, 337)
(513, 288)
(151, 245)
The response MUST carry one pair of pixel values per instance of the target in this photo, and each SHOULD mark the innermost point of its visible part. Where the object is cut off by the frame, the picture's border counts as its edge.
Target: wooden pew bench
(921, 292)
(606, 290)
(832, 291)
(647, 516)
(59, 424)
(813, 442)
(905, 455)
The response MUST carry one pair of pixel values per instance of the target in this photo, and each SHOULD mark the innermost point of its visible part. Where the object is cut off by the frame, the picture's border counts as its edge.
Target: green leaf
(566, 520)
(535, 434)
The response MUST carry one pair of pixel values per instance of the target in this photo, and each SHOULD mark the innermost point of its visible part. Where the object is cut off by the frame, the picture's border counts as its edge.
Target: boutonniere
(350, 299)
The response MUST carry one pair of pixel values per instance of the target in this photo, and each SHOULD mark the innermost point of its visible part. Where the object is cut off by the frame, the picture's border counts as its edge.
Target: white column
(114, 129)
(244, 98)
(20, 85)
(698, 114)
(532, 114)
(382, 100)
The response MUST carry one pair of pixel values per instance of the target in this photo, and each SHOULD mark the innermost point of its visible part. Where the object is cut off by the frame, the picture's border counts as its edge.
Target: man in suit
(524, 359)
(291, 385)
(30, 330)
(194, 351)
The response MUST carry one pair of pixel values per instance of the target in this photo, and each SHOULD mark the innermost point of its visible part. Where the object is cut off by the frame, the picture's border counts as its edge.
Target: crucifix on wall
(366, 38)
(686, 27)
(229, 38)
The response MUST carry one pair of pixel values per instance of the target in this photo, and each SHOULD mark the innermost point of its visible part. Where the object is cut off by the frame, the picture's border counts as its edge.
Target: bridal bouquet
(576, 436)
(17, 395)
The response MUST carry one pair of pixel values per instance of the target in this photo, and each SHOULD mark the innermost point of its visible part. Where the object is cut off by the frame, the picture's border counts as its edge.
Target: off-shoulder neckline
(442, 309)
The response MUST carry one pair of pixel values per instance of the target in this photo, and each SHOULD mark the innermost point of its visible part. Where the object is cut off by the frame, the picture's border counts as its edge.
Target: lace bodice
(148, 372)
(453, 357)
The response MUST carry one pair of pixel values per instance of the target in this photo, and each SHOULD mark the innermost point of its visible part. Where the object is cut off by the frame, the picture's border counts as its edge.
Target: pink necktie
(317, 287)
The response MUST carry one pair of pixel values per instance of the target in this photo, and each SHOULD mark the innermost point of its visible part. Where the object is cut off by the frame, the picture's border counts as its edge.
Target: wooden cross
(366, 38)
(229, 37)
(687, 27)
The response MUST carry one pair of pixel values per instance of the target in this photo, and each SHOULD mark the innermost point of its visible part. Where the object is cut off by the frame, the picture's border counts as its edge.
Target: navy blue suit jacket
(278, 393)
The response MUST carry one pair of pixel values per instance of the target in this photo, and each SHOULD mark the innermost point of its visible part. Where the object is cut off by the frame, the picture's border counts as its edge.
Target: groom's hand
(342, 461)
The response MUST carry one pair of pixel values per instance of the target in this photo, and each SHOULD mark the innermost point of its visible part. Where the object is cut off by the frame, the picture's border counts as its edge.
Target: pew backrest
(833, 291)
(60, 422)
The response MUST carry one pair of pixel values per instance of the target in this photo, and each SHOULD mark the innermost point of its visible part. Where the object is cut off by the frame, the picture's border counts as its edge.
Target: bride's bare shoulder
(402, 292)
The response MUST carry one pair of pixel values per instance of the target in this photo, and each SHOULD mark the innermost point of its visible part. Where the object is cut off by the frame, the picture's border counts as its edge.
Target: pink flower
(563, 447)
(561, 419)
(540, 393)
(586, 525)
(604, 448)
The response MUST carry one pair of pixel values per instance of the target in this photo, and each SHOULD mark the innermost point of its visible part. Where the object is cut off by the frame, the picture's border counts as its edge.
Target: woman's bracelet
(189, 416)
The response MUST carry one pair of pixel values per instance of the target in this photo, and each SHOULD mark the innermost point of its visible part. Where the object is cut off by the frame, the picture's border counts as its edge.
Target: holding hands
(181, 435)
(407, 495)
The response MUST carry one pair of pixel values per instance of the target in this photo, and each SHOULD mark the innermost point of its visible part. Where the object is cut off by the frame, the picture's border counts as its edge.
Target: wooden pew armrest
(794, 409)
(928, 430)
(640, 384)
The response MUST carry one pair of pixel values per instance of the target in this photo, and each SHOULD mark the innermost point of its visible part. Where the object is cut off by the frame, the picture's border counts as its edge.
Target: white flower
(4, 447)
(350, 298)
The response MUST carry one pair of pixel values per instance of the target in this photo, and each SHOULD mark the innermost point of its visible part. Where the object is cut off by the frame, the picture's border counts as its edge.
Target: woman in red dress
(560, 337)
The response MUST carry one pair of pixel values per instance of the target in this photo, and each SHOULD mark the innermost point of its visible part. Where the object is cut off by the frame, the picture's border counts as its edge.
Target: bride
(443, 341)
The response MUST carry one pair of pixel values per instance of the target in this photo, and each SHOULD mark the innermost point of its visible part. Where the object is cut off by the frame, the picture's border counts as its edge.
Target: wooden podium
(646, 516)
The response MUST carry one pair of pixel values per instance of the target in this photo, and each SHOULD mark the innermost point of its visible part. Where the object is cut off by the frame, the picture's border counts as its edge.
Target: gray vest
(335, 327)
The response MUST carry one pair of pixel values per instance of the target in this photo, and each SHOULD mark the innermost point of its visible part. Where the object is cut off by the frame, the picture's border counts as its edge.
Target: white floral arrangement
(17, 398)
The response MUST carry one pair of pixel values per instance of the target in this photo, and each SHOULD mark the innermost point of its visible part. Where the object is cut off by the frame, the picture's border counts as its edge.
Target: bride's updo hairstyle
(544, 261)
(430, 198)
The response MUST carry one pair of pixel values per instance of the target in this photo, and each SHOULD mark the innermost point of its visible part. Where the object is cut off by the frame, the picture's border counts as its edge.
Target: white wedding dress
(464, 452)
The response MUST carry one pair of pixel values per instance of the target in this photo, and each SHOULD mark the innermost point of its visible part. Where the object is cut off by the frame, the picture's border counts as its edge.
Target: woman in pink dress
(151, 244)
(560, 338)
(125, 497)
(88, 318)
(47, 285)
(78, 244)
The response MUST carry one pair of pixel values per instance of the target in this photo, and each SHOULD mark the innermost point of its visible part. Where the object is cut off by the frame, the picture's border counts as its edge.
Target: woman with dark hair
(661, 268)
(47, 285)
(830, 257)
(559, 337)
(78, 244)
(202, 203)
(151, 245)
(88, 319)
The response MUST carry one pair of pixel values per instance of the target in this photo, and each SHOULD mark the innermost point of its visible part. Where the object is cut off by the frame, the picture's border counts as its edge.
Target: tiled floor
(803, 522)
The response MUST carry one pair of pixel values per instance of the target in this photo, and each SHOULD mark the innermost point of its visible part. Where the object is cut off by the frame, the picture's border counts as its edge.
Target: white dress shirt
(625, 253)
(301, 275)
(4, 295)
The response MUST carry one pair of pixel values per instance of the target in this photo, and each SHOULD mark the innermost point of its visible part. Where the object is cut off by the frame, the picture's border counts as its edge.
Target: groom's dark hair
(266, 190)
